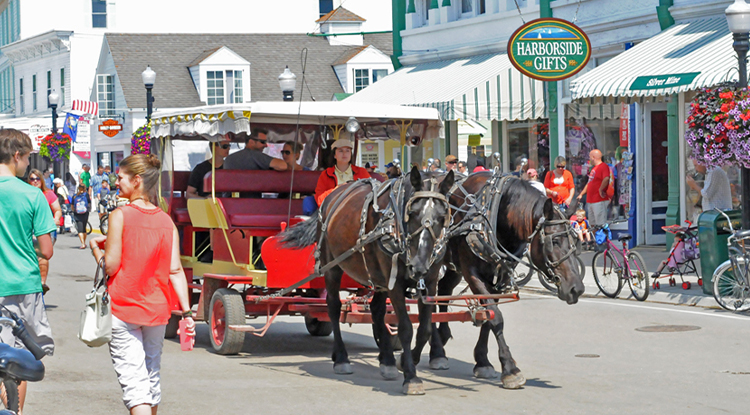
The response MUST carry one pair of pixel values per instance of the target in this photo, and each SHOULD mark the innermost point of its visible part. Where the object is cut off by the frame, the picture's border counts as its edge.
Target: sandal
(82, 247)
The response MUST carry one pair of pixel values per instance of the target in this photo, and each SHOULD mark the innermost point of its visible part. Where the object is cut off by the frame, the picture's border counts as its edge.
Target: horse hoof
(413, 389)
(514, 381)
(343, 369)
(389, 372)
(485, 372)
(439, 363)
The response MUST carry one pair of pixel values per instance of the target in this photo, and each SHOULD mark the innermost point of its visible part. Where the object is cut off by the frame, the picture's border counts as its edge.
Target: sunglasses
(286, 152)
(450, 162)
(226, 146)
(560, 166)
(264, 142)
(35, 179)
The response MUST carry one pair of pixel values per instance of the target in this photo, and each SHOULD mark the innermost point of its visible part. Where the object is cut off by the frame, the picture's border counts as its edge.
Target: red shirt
(328, 181)
(140, 289)
(596, 176)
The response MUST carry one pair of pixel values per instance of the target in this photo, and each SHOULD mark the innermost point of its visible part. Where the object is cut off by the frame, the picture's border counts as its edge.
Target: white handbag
(96, 318)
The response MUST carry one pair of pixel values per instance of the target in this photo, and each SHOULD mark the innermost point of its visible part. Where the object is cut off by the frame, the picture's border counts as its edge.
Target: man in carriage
(253, 157)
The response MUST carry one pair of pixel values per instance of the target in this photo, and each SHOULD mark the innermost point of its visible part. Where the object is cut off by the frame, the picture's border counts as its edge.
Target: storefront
(657, 80)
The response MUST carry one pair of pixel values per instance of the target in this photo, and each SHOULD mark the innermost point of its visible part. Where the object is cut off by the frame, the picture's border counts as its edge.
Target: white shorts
(598, 212)
(136, 357)
(30, 307)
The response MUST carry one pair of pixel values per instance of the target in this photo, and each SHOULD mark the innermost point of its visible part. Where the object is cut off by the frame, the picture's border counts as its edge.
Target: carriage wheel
(227, 308)
(700, 282)
(172, 327)
(686, 285)
(318, 328)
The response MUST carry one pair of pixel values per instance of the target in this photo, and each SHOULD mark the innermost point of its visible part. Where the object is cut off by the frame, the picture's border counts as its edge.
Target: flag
(71, 126)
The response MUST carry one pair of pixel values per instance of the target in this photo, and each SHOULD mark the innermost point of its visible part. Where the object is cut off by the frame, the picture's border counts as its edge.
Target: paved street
(695, 372)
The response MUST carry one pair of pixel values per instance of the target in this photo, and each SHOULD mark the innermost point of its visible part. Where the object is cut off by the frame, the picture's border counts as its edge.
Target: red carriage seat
(178, 207)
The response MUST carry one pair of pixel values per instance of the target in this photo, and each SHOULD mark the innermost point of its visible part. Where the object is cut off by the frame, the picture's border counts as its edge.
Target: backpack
(81, 203)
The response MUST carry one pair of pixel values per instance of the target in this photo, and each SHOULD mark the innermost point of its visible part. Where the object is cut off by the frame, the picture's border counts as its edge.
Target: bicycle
(609, 272)
(522, 278)
(730, 280)
(18, 365)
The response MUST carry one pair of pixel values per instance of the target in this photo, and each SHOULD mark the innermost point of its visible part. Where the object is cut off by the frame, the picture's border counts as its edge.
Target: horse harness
(480, 227)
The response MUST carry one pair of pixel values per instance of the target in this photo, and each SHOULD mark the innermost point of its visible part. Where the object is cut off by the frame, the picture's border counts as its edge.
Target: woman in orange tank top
(142, 258)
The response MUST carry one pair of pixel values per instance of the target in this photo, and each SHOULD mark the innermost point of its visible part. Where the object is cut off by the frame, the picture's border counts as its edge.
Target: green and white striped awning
(689, 56)
(482, 87)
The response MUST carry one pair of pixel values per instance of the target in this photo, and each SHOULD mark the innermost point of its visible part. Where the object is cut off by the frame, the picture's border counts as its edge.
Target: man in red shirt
(596, 189)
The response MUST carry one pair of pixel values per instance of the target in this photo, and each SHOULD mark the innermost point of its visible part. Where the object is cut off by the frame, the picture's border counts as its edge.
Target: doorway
(655, 180)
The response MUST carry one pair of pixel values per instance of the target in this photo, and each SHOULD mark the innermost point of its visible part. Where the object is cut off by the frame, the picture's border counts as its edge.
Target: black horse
(524, 216)
(410, 217)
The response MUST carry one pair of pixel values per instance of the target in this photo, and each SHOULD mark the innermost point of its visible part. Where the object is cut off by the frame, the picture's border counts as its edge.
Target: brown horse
(524, 216)
(419, 217)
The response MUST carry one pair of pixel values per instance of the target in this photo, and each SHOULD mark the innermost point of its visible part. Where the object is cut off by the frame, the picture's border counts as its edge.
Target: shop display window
(529, 140)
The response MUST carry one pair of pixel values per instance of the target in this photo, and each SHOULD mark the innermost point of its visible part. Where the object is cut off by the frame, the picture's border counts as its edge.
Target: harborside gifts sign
(549, 49)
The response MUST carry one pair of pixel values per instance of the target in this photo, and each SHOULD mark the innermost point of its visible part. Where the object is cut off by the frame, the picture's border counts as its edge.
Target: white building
(60, 47)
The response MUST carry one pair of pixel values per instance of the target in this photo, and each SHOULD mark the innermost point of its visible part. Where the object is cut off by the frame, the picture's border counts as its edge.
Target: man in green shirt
(85, 176)
(24, 214)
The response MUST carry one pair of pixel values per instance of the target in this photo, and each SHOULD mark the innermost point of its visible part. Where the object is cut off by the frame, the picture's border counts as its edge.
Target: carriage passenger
(342, 172)
(291, 154)
(195, 182)
(253, 157)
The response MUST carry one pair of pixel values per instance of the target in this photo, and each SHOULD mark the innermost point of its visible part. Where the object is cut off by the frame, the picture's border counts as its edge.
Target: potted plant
(140, 143)
(56, 147)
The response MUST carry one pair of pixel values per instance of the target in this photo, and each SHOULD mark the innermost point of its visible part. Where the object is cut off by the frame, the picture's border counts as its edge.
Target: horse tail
(301, 235)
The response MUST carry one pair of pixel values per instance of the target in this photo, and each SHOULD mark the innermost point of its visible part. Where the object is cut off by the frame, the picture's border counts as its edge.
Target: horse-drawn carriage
(386, 244)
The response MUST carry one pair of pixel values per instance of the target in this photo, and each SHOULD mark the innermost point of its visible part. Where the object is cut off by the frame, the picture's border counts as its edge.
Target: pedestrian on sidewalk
(716, 191)
(36, 179)
(142, 258)
(595, 191)
(81, 209)
(24, 213)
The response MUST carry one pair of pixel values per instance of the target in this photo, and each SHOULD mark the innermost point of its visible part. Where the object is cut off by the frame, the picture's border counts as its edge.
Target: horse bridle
(547, 239)
(426, 225)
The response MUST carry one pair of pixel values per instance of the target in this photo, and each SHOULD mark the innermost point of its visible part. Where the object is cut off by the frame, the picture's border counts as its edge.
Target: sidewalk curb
(543, 291)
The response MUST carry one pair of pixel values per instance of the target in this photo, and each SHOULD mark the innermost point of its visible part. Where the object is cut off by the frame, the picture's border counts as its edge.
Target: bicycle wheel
(104, 225)
(638, 279)
(731, 288)
(606, 274)
(89, 228)
(10, 395)
(522, 274)
(581, 267)
(547, 283)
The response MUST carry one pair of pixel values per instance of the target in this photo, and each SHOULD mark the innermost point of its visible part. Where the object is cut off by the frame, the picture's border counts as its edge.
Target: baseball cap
(531, 172)
(342, 142)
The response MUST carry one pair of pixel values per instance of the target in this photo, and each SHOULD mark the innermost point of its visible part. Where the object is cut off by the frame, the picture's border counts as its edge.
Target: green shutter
(434, 4)
(446, 3)
(411, 8)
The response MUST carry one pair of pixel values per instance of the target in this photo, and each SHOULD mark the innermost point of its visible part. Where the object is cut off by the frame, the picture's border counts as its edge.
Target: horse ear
(447, 183)
(416, 179)
(549, 209)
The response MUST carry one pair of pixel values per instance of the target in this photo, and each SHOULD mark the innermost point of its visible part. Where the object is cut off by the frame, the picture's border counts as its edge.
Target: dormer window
(221, 76)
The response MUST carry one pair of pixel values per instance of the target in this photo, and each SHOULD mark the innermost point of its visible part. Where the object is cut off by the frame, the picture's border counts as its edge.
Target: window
(105, 95)
(62, 87)
(361, 79)
(238, 96)
(49, 86)
(98, 13)
(325, 7)
(511, 4)
(466, 6)
(425, 11)
(33, 92)
(481, 7)
(20, 97)
(215, 87)
(378, 74)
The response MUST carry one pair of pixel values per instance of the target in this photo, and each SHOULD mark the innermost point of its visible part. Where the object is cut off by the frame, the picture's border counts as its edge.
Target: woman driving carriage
(342, 172)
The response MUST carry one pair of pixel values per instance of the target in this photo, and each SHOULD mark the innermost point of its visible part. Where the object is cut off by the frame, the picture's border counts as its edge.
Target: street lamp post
(738, 20)
(149, 77)
(54, 100)
(287, 83)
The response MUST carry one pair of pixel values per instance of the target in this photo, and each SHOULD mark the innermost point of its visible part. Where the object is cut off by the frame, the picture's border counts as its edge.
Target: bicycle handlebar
(19, 330)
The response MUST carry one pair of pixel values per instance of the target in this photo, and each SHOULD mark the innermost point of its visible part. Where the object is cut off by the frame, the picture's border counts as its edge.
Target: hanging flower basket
(56, 147)
(141, 141)
(718, 127)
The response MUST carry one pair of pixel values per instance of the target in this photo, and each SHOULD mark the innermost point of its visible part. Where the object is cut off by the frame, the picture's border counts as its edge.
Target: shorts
(30, 307)
(597, 212)
(136, 357)
(81, 220)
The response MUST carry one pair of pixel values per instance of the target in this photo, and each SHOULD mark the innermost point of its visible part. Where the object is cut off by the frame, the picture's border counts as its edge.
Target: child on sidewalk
(581, 226)
(24, 212)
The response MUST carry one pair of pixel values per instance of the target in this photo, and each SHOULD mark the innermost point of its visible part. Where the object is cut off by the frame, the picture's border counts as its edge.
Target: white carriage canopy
(217, 122)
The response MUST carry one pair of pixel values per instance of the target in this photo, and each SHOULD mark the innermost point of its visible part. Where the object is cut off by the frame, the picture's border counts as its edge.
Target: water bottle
(186, 342)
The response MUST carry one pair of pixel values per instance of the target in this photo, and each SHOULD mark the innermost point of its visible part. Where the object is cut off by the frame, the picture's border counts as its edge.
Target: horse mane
(521, 204)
